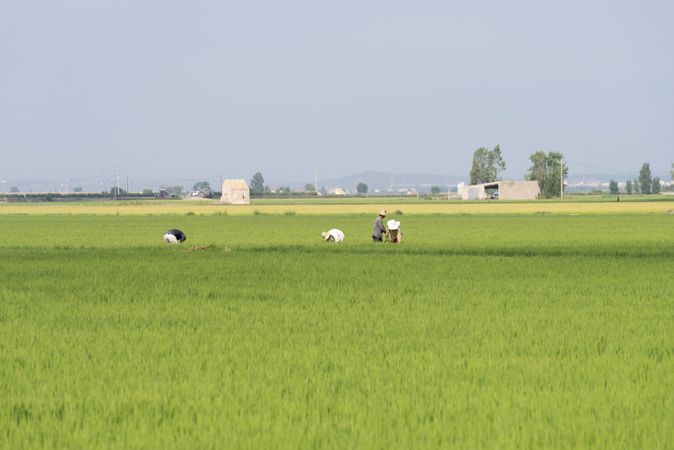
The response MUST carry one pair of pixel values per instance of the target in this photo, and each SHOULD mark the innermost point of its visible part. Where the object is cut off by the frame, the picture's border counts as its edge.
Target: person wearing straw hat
(379, 230)
(333, 235)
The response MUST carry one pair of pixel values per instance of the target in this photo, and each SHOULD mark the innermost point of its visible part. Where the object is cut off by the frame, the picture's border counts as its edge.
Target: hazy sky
(211, 87)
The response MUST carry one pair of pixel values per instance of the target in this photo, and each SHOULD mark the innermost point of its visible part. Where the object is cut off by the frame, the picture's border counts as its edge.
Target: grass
(503, 331)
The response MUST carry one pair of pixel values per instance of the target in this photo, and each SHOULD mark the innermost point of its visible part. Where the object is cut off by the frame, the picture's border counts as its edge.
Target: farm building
(235, 192)
(337, 191)
(502, 190)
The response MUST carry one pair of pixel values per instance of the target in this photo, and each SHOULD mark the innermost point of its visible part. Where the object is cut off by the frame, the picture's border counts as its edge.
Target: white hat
(393, 224)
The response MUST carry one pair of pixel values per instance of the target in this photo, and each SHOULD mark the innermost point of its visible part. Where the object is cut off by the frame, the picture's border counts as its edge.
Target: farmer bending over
(394, 232)
(174, 235)
(333, 235)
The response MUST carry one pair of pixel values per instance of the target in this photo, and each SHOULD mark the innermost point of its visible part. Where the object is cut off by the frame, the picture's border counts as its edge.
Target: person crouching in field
(174, 235)
(394, 233)
(333, 235)
(379, 230)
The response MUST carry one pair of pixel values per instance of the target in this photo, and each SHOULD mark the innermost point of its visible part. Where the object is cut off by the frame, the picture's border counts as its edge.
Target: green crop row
(477, 332)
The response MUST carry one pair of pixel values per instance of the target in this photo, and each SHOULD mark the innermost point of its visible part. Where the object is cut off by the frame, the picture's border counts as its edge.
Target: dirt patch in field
(201, 248)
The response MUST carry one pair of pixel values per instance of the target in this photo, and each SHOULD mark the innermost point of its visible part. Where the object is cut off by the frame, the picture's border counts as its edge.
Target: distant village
(547, 177)
(240, 191)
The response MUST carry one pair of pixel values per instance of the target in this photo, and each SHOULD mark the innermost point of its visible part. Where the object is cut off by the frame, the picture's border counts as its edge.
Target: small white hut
(235, 192)
(337, 191)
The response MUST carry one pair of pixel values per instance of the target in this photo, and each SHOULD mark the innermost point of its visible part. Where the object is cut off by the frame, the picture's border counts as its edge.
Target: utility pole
(116, 183)
(561, 178)
(316, 180)
(127, 184)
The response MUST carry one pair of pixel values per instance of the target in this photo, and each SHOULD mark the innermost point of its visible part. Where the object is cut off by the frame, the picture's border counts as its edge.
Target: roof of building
(495, 184)
(235, 184)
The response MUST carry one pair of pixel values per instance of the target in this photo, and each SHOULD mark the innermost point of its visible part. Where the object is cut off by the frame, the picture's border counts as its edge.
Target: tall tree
(645, 180)
(672, 172)
(553, 186)
(201, 186)
(635, 187)
(628, 186)
(539, 168)
(486, 165)
(257, 183)
(547, 170)
(117, 190)
(613, 187)
(655, 187)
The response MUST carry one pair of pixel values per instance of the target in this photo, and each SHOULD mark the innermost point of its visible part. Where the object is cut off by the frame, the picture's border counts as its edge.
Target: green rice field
(506, 331)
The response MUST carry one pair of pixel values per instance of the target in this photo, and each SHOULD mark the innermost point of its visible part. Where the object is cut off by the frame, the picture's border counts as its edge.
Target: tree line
(548, 169)
(645, 184)
(258, 187)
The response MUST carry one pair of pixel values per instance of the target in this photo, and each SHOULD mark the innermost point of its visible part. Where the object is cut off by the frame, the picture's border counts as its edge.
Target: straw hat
(382, 213)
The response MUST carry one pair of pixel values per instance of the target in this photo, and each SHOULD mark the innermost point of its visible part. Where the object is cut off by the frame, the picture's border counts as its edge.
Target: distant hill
(391, 182)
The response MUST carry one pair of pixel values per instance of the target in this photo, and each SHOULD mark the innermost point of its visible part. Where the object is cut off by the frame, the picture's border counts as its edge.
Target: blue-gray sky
(211, 87)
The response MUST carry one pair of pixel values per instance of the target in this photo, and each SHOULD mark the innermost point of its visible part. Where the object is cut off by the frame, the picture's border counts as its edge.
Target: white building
(337, 191)
(235, 192)
(505, 190)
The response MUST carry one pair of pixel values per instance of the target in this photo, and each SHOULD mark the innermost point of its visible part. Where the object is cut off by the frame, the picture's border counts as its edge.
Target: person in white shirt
(334, 235)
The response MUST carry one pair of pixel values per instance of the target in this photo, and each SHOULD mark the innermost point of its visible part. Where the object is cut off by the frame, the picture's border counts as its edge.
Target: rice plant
(509, 331)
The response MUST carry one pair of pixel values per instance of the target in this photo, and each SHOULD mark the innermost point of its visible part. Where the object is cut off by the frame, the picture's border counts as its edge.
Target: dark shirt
(379, 228)
(178, 234)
